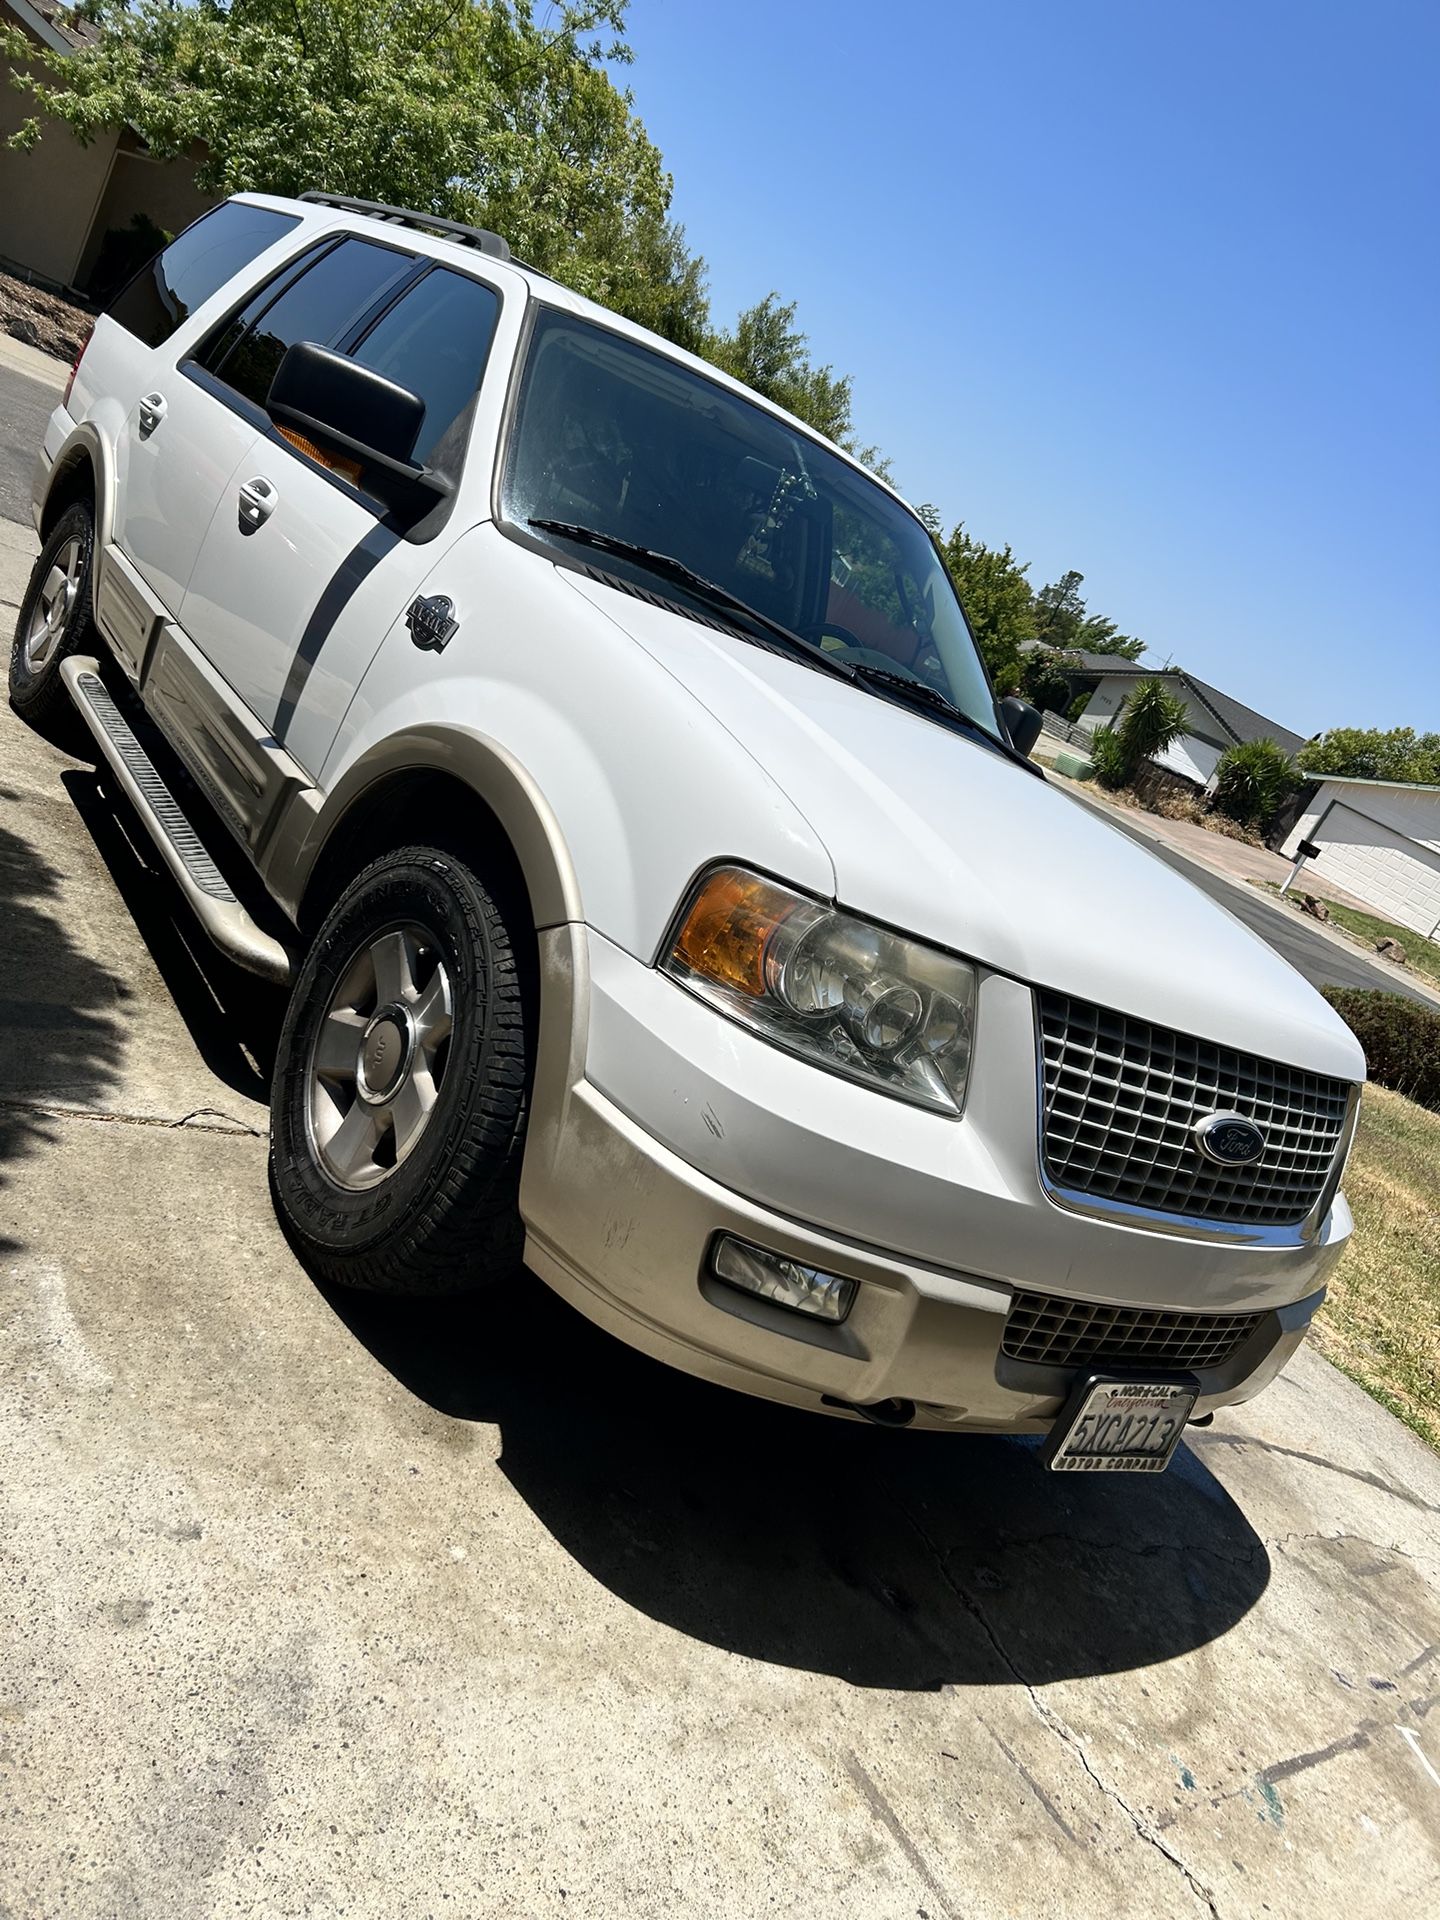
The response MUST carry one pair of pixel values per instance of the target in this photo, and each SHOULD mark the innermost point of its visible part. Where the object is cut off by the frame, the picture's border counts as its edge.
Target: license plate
(1120, 1426)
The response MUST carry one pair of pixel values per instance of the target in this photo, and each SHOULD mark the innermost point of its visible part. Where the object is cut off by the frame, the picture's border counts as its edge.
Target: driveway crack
(198, 1120)
(1062, 1731)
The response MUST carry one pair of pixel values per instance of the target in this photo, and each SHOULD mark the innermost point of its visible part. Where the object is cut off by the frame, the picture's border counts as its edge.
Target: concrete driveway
(315, 1605)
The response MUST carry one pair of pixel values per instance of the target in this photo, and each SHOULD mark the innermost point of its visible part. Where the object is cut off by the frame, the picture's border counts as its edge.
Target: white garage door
(1398, 877)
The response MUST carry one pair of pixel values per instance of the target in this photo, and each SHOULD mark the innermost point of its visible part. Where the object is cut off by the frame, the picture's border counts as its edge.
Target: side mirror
(1022, 722)
(352, 410)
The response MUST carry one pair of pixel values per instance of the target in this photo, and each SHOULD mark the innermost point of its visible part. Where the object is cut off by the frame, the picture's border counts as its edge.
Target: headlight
(851, 997)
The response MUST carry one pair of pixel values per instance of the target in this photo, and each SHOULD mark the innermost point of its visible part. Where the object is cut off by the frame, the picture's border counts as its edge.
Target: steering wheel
(856, 649)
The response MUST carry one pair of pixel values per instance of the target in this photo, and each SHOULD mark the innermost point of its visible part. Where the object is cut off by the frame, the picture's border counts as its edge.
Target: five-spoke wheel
(378, 1061)
(55, 617)
(402, 1081)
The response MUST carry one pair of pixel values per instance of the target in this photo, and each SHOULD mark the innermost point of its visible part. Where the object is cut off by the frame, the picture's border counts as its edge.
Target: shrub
(1112, 762)
(1077, 707)
(1252, 781)
(1401, 1039)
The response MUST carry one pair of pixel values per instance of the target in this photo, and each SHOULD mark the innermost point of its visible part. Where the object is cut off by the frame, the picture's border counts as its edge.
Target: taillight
(75, 366)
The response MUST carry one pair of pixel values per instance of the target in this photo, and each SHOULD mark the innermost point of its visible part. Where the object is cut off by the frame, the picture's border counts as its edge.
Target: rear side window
(165, 293)
(324, 305)
(434, 341)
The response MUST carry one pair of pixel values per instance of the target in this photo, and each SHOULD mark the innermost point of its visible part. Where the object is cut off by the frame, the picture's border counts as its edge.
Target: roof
(1359, 780)
(54, 24)
(1238, 721)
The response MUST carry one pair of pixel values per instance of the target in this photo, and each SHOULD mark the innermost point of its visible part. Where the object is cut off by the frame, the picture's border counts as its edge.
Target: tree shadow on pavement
(61, 1012)
(887, 1559)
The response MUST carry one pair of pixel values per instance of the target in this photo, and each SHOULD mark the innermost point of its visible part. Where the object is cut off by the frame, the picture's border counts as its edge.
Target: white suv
(665, 898)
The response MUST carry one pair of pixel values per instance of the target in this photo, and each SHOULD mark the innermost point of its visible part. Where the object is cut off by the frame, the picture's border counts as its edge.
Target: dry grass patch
(1381, 1322)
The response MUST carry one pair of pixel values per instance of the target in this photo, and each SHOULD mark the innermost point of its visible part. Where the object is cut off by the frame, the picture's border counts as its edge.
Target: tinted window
(324, 304)
(167, 291)
(434, 341)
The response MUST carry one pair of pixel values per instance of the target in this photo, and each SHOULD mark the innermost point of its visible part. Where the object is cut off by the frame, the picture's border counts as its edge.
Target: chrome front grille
(1122, 1099)
(1050, 1332)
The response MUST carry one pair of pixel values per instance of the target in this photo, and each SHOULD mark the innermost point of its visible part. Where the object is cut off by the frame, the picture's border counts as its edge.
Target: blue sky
(1148, 290)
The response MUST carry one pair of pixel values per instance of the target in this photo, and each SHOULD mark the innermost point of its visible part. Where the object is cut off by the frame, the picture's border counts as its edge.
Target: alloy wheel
(378, 1060)
(54, 605)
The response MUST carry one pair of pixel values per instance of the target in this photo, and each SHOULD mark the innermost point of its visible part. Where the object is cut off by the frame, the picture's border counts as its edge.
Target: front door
(302, 573)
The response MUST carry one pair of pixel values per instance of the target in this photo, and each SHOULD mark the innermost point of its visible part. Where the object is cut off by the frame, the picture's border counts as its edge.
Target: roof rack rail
(479, 237)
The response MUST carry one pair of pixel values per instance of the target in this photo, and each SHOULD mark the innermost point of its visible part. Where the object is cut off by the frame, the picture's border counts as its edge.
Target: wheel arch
(82, 471)
(445, 784)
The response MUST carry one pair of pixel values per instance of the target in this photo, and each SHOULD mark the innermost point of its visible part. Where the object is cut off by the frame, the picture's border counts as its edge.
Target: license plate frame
(1149, 1400)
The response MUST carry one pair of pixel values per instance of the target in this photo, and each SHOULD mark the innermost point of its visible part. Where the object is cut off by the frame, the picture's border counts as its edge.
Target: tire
(56, 619)
(402, 1082)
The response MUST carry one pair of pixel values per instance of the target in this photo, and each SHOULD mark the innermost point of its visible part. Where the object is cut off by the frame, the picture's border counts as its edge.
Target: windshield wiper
(669, 568)
(919, 694)
(897, 686)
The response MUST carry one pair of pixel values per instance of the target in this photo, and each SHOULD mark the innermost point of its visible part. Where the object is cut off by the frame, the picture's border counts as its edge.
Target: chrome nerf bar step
(210, 896)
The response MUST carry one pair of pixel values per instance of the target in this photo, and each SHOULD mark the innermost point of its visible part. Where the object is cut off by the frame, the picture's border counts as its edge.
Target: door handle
(152, 412)
(258, 500)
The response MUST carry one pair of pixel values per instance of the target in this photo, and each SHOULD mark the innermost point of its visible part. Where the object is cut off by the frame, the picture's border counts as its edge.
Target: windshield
(627, 443)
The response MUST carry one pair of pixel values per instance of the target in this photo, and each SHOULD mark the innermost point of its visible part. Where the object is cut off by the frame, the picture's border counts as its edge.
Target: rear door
(302, 572)
(178, 447)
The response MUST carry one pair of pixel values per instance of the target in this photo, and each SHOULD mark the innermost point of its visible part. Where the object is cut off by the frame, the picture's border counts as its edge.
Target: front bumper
(620, 1222)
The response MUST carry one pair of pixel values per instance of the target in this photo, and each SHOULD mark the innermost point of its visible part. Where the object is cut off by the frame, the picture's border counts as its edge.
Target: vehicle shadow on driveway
(232, 1017)
(886, 1559)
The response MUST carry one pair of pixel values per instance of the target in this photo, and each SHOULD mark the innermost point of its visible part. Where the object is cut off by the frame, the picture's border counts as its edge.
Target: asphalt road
(316, 1604)
(25, 405)
(1324, 962)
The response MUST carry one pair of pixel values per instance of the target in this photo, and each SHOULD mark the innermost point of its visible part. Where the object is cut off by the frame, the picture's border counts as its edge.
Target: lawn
(1423, 954)
(1381, 1322)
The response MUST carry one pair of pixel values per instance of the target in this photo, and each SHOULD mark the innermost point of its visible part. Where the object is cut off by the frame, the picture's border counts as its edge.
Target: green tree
(1252, 780)
(998, 601)
(1043, 681)
(1061, 620)
(477, 113)
(768, 352)
(1368, 753)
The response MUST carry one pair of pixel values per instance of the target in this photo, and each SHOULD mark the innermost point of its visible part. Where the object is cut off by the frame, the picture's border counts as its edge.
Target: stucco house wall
(58, 201)
(50, 196)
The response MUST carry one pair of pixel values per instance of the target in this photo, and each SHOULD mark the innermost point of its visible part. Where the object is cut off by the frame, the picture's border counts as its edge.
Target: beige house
(58, 202)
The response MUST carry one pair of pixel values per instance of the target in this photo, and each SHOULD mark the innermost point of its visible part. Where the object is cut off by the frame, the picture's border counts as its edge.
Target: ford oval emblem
(1229, 1139)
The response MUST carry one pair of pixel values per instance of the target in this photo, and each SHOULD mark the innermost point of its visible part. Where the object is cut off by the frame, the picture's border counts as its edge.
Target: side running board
(209, 894)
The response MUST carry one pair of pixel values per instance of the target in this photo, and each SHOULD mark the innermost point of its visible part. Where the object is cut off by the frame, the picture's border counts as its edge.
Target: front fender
(483, 765)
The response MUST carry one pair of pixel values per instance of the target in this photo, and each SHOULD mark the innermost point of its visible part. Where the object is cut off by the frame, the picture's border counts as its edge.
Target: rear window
(164, 294)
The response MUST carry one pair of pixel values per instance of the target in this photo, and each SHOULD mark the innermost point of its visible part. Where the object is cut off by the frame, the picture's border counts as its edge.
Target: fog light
(824, 1296)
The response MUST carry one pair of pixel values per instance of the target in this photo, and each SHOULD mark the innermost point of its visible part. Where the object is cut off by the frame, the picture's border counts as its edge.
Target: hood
(939, 837)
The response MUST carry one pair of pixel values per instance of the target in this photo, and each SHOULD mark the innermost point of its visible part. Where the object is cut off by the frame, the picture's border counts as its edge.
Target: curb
(35, 365)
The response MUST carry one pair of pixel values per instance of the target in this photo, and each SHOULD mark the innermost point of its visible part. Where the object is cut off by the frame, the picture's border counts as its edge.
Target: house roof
(1359, 780)
(53, 23)
(1237, 721)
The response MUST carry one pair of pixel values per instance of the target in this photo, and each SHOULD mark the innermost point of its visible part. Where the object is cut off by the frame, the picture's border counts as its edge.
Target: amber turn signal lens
(728, 928)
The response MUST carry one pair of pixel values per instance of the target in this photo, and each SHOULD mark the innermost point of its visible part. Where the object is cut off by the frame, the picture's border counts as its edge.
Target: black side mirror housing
(1022, 723)
(352, 410)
